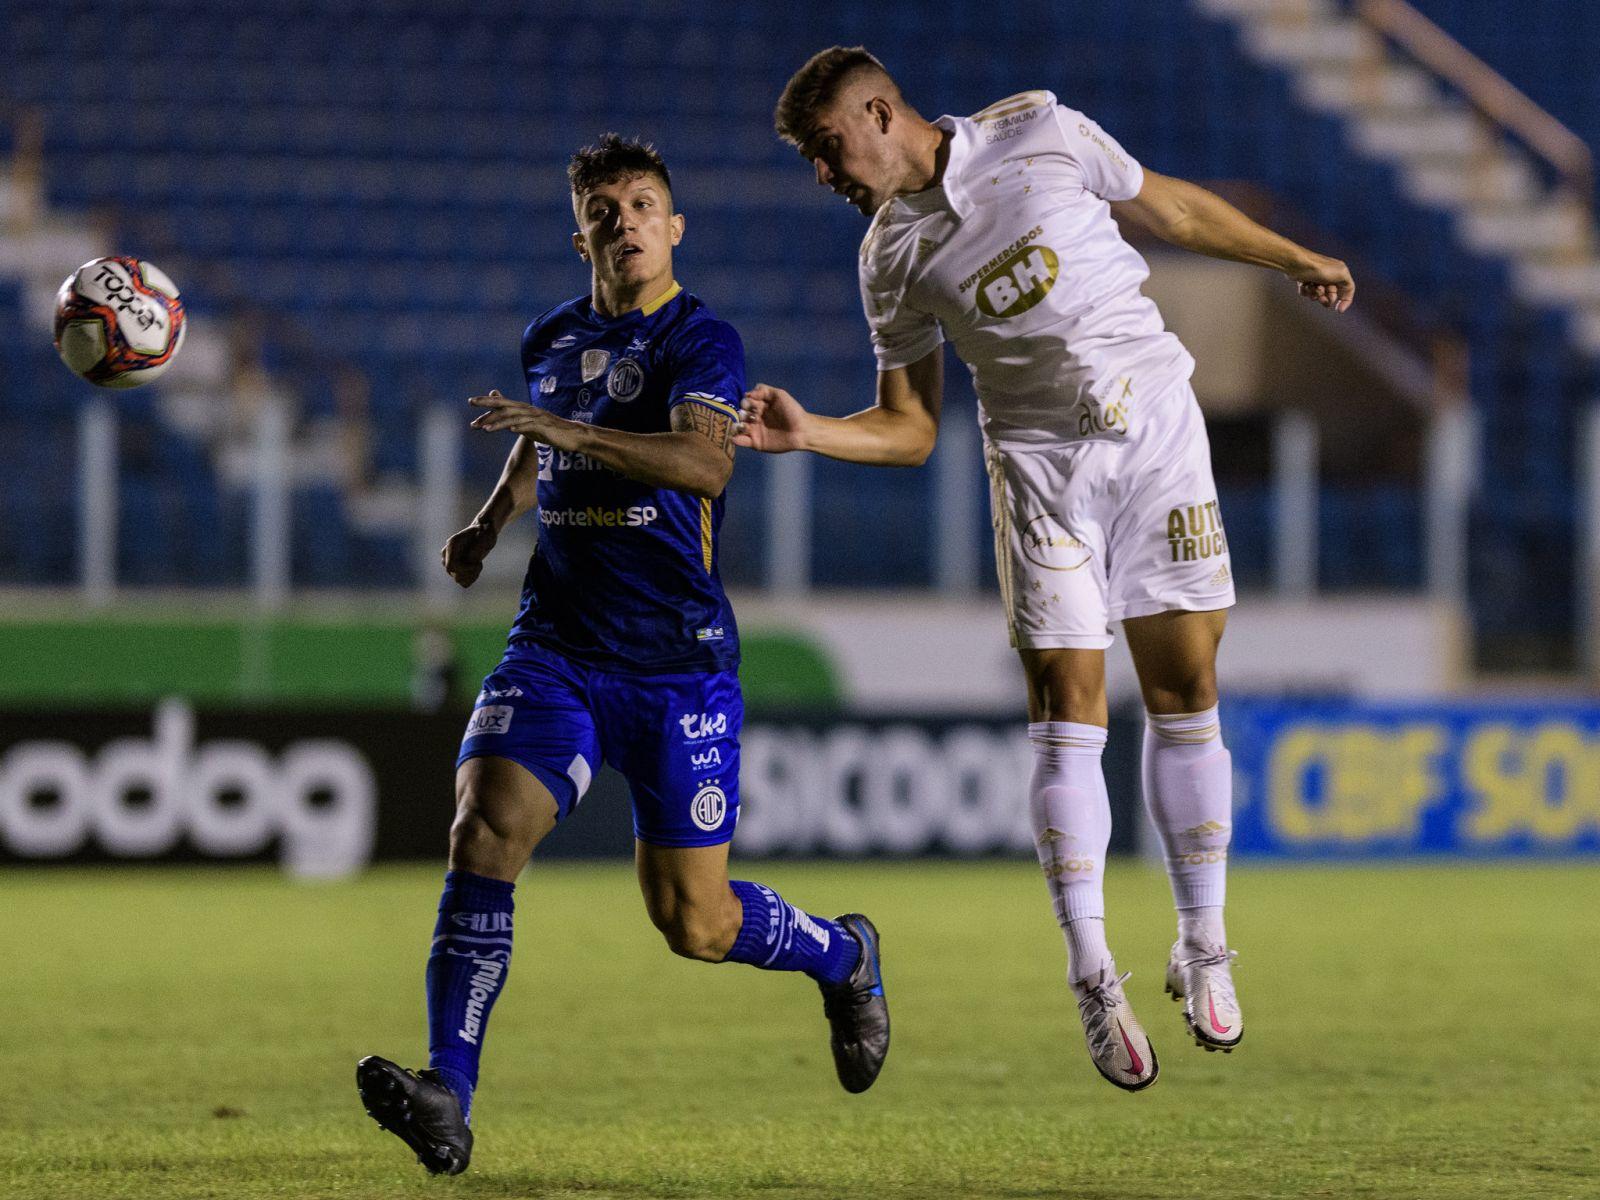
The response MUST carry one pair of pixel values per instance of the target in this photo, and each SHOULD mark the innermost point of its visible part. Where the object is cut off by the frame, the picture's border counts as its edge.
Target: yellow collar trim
(662, 299)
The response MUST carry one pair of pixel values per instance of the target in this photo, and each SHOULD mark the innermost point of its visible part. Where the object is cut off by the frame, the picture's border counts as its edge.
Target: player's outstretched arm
(898, 431)
(513, 495)
(1187, 215)
(696, 457)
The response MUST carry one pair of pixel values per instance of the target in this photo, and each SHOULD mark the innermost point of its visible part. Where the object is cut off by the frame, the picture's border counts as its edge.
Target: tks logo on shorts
(709, 807)
(703, 725)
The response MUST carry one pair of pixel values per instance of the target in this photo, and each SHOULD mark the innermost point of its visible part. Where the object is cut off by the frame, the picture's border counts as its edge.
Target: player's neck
(928, 161)
(615, 300)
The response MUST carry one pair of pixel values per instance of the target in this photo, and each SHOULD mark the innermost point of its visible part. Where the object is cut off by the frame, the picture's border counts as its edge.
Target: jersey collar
(950, 193)
(660, 301)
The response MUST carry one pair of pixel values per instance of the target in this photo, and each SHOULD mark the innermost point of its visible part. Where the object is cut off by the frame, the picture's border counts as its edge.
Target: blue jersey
(624, 576)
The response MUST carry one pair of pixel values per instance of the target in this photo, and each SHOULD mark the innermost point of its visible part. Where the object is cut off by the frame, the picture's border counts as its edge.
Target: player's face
(849, 147)
(626, 231)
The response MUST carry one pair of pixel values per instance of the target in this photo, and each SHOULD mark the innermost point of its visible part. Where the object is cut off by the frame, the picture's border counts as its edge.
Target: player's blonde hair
(813, 87)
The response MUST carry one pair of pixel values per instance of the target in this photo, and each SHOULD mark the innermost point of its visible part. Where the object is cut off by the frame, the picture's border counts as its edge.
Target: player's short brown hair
(813, 87)
(615, 158)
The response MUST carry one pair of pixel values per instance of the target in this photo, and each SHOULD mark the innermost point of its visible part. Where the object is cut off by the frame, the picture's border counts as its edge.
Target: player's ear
(580, 246)
(677, 228)
(878, 109)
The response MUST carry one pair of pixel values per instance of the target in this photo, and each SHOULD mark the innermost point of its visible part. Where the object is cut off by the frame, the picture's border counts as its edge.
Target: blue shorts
(675, 738)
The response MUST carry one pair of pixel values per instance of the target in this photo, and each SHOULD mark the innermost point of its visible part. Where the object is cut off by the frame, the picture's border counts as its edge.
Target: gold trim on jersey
(662, 299)
(1021, 102)
(716, 402)
(705, 533)
(1003, 565)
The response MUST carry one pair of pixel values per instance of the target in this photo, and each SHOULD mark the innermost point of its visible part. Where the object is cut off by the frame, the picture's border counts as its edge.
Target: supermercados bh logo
(1017, 278)
(1194, 531)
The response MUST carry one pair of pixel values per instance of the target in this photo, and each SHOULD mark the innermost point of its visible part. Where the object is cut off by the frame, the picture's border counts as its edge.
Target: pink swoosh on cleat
(1212, 1005)
(1133, 1055)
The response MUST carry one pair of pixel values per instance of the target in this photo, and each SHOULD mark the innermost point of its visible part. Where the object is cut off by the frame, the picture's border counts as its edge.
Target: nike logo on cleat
(1215, 1024)
(1137, 1069)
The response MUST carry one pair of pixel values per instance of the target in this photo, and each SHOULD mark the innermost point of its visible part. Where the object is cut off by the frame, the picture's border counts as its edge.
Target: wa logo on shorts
(709, 807)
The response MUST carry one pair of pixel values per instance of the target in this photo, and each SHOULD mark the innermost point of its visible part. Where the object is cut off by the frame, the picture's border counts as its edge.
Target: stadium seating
(386, 175)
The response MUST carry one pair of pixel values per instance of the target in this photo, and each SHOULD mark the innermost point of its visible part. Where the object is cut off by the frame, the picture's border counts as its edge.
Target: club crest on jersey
(594, 363)
(626, 381)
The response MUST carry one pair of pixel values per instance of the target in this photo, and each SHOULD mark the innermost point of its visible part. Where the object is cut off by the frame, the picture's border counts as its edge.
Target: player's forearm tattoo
(709, 423)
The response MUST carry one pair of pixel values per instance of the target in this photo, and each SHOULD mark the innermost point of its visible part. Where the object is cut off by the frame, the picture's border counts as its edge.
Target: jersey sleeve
(1109, 171)
(901, 334)
(707, 364)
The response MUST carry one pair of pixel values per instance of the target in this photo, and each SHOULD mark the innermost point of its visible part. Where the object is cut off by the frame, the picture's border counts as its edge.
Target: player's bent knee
(695, 933)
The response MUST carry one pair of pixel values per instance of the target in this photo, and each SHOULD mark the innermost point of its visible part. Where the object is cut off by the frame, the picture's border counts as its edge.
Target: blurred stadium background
(224, 636)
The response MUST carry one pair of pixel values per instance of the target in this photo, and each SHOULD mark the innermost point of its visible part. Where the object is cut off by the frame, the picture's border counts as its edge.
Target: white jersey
(1014, 256)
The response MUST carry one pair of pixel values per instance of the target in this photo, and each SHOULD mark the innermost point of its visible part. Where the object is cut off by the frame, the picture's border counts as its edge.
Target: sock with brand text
(1071, 816)
(777, 936)
(1188, 790)
(466, 970)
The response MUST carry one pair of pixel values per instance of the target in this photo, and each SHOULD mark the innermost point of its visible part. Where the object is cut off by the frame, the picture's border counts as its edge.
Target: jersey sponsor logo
(594, 363)
(705, 762)
(703, 725)
(709, 808)
(562, 342)
(596, 517)
(626, 381)
(1021, 280)
(546, 461)
(1047, 544)
(995, 262)
(711, 633)
(584, 396)
(1007, 127)
(492, 718)
(1194, 532)
(547, 385)
(551, 461)
(1105, 146)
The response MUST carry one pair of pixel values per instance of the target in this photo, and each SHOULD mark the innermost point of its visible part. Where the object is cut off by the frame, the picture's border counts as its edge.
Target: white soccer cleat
(1204, 982)
(1117, 1042)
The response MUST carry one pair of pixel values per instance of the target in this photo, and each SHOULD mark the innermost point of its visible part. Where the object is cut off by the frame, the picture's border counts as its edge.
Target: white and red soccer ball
(119, 322)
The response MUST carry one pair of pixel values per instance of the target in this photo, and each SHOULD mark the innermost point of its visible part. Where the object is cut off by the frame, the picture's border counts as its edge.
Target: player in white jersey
(996, 232)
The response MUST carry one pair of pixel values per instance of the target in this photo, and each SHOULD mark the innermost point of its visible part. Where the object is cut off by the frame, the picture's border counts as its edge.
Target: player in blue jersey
(624, 651)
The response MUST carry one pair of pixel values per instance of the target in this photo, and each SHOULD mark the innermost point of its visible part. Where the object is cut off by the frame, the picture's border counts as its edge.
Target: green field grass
(1412, 1032)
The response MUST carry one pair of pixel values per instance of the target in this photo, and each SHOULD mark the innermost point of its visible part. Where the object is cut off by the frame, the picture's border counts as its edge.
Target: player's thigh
(503, 812)
(1175, 655)
(1066, 685)
(1167, 546)
(675, 738)
(531, 725)
(1048, 506)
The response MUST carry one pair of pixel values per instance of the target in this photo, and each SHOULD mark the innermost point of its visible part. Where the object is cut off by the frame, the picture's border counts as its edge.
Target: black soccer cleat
(857, 1012)
(418, 1109)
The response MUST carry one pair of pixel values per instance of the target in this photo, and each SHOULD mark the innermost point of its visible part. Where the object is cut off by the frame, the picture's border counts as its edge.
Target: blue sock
(777, 936)
(466, 970)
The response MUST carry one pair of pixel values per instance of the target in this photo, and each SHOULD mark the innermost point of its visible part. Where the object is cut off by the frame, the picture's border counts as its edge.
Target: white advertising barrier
(140, 797)
(853, 788)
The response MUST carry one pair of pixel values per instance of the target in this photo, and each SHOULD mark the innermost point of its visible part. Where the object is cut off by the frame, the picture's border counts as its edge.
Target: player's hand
(1327, 281)
(514, 415)
(770, 420)
(464, 553)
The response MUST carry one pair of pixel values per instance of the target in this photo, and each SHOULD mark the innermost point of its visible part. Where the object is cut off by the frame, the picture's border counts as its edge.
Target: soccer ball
(119, 322)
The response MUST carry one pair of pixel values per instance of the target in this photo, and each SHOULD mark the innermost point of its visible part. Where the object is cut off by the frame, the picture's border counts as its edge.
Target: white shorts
(1091, 532)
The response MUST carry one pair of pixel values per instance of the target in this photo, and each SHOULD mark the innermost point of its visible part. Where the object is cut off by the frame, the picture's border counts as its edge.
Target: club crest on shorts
(708, 808)
(1047, 544)
(594, 363)
(626, 381)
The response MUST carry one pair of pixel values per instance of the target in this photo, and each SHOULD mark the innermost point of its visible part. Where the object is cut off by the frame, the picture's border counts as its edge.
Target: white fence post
(956, 505)
(789, 524)
(1295, 483)
(438, 501)
(270, 527)
(1452, 469)
(98, 470)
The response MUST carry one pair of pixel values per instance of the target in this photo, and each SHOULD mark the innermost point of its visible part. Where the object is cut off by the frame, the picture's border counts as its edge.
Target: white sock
(1188, 789)
(1071, 828)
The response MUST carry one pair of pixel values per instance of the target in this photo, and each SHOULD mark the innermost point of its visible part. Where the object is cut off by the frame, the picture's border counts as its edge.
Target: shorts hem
(684, 843)
(1150, 608)
(1023, 640)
